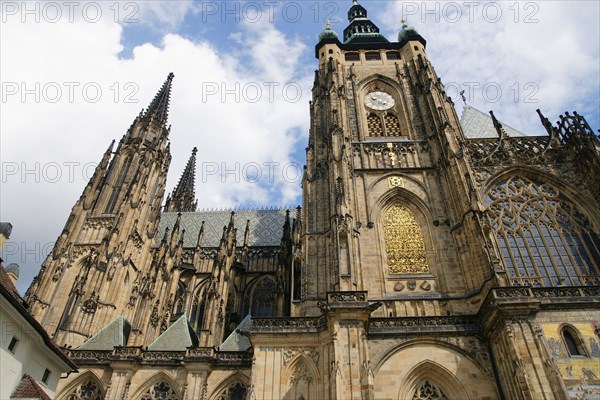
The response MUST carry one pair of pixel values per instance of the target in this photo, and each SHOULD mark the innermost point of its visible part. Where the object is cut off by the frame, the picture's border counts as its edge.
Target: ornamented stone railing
(90, 355)
(200, 352)
(138, 355)
(234, 357)
(127, 353)
(419, 325)
(545, 292)
(389, 154)
(162, 357)
(299, 325)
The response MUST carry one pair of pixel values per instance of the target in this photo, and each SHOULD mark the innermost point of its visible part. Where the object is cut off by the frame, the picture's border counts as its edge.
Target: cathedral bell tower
(109, 233)
(388, 198)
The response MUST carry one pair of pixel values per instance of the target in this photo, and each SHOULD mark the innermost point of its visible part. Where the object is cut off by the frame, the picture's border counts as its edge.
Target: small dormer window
(12, 346)
(46, 376)
(393, 55)
(372, 56)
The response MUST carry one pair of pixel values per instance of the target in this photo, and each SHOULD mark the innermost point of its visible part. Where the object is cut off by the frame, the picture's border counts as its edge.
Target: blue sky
(527, 55)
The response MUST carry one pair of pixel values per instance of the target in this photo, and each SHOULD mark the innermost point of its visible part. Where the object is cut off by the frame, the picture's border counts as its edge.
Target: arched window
(543, 238)
(428, 391)
(263, 298)
(404, 242)
(197, 310)
(160, 391)
(88, 390)
(573, 342)
(178, 307)
(233, 392)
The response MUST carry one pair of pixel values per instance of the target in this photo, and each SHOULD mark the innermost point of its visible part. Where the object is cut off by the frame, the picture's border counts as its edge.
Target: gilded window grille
(392, 125)
(429, 391)
(374, 124)
(543, 238)
(387, 125)
(404, 242)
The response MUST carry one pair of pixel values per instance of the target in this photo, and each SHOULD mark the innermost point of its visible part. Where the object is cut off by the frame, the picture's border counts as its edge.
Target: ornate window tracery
(160, 391)
(543, 238)
(234, 392)
(89, 390)
(428, 391)
(263, 298)
(404, 242)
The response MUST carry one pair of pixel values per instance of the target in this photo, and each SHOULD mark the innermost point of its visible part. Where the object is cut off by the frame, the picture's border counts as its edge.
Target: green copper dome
(406, 32)
(328, 33)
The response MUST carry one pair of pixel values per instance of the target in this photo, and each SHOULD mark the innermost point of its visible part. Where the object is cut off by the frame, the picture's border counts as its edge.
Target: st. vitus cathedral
(432, 258)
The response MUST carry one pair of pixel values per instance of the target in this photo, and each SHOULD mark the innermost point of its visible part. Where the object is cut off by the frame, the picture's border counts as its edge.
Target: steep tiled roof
(478, 125)
(266, 226)
(236, 341)
(178, 337)
(8, 285)
(114, 334)
(28, 388)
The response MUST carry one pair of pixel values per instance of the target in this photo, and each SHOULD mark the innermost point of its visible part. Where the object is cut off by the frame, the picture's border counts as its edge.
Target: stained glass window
(543, 238)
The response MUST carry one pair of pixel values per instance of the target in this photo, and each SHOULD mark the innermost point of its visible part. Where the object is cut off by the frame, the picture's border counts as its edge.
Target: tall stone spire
(183, 198)
(159, 108)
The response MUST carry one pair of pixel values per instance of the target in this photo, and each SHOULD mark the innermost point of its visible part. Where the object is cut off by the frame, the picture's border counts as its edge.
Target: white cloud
(66, 137)
(545, 52)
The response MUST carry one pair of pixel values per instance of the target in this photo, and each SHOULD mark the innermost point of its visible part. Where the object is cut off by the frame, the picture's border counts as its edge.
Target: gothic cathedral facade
(424, 263)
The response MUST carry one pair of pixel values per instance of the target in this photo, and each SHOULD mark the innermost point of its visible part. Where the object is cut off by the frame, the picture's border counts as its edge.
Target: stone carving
(347, 296)
(290, 353)
(301, 373)
(90, 305)
(302, 323)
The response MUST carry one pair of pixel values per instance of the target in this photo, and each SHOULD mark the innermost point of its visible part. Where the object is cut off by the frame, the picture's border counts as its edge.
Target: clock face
(379, 101)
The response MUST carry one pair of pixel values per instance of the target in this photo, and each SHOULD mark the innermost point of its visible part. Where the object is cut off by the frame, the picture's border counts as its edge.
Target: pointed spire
(183, 198)
(287, 227)
(247, 234)
(159, 108)
(200, 238)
